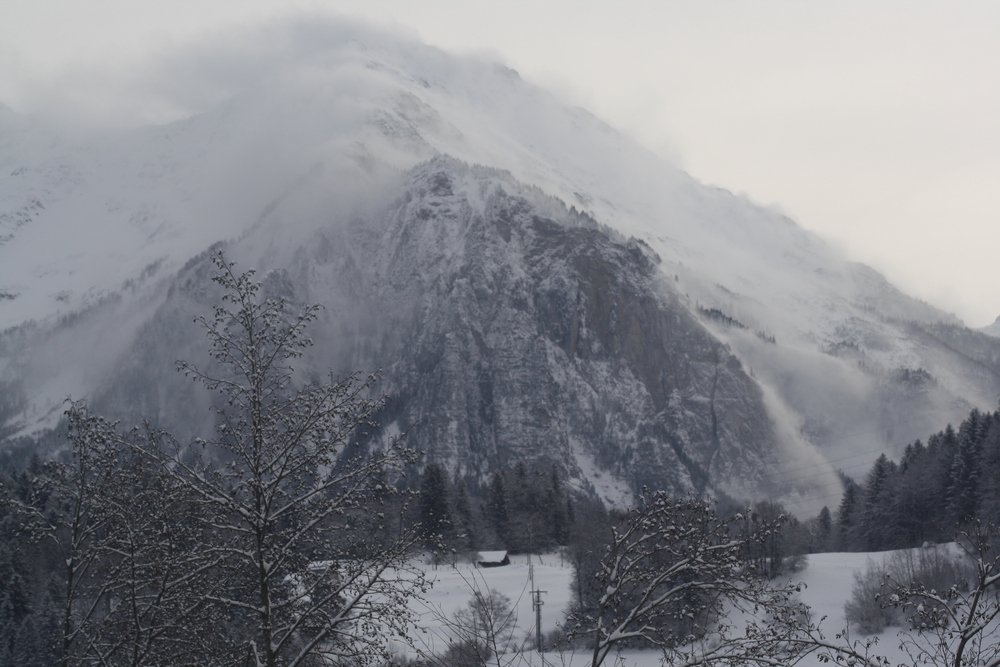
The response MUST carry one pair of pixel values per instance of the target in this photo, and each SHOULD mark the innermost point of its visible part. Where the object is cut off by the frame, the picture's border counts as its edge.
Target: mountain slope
(509, 329)
(656, 330)
(992, 329)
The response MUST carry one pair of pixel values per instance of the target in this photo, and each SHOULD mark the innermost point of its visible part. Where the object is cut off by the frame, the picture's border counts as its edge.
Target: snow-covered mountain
(534, 284)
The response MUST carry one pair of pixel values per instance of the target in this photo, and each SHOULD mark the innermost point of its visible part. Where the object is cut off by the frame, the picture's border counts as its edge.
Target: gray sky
(874, 123)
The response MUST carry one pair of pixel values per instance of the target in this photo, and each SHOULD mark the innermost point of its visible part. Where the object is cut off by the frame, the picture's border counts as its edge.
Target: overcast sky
(873, 123)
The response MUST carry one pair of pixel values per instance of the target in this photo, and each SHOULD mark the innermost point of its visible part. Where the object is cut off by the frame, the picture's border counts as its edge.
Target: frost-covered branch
(671, 569)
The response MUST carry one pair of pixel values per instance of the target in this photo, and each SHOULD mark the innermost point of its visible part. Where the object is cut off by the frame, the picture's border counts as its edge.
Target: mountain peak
(351, 160)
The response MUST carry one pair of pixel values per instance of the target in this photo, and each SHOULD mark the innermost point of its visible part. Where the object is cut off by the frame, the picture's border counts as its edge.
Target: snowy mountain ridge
(316, 146)
(992, 329)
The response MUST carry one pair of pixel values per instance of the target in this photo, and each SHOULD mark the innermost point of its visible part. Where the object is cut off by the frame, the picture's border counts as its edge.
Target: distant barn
(493, 558)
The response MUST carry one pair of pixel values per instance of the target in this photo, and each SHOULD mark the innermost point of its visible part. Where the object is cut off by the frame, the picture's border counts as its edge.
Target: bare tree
(958, 626)
(157, 579)
(288, 514)
(133, 580)
(955, 627)
(64, 512)
(484, 629)
(481, 633)
(671, 572)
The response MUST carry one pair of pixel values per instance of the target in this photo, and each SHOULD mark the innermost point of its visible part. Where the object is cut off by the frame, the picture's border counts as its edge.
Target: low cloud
(193, 76)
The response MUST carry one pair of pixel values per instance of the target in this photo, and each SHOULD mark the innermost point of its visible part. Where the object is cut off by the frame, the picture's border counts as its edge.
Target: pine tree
(945, 445)
(497, 508)
(435, 513)
(528, 518)
(8, 630)
(825, 521)
(556, 506)
(467, 524)
(915, 496)
(847, 516)
(989, 503)
(963, 478)
(876, 517)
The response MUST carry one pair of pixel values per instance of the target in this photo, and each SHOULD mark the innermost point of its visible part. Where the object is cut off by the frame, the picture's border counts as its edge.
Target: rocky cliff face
(523, 331)
(508, 328)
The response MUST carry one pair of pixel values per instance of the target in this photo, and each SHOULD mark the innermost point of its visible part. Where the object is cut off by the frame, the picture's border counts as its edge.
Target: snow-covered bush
(873, 605)
(866, 608)
(672, 571)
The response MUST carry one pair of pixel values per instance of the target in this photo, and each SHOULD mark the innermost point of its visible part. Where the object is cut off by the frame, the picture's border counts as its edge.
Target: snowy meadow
(827, 583)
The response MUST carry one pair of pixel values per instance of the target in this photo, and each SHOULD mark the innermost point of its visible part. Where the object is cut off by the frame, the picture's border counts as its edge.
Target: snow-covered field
(455, 586)
(828, 580)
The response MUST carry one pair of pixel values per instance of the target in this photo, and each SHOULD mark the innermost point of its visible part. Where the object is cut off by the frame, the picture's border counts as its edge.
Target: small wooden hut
(493, 559)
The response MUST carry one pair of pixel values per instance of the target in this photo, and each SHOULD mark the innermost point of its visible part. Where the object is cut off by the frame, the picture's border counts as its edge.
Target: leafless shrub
(873, 603)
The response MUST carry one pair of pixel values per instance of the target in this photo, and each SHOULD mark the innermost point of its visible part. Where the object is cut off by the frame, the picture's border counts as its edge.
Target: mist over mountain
(534, 285)
(992, 329)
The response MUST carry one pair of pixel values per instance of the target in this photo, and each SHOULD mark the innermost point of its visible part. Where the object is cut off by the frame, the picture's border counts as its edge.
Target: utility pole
(536, 605)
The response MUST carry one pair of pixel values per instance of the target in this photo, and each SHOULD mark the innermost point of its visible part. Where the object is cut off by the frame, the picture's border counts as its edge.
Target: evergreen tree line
(30, 591)
(521, 511)
(934, 490)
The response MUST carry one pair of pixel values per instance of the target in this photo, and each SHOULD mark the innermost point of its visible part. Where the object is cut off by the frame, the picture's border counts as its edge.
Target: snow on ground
(454, 586)
(828, 579)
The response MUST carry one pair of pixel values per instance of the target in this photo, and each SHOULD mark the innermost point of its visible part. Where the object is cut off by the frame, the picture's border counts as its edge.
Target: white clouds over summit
(873, 124)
